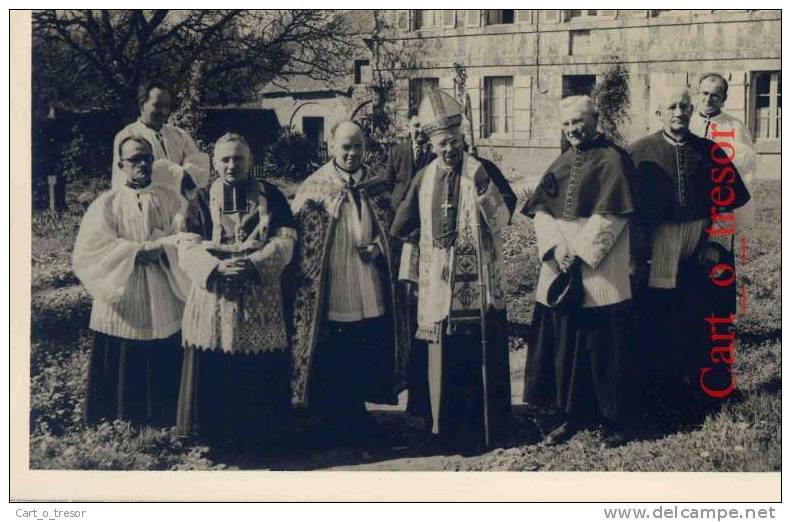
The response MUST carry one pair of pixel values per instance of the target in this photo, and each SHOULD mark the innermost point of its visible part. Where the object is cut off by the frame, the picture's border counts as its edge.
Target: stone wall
(540, 47)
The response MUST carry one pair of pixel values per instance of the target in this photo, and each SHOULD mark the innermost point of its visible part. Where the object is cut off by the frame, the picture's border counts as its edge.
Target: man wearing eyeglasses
(119, 256)
(179, 165)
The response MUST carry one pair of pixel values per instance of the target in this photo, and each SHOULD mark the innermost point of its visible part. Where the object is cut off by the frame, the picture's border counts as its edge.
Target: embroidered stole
(239, 214)
(450, 279)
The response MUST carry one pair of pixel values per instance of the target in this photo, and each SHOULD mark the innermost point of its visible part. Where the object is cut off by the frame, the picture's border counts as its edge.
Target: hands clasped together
(564, 256)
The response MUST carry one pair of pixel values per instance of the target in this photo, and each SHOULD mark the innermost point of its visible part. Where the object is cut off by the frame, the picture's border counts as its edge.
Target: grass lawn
(743, 435)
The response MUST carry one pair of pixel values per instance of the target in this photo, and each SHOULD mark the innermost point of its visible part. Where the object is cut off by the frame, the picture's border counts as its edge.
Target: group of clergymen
(219, 307)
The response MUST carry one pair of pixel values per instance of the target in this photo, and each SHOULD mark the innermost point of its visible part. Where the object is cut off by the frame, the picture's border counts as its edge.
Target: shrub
(612, 100)
(291, 156)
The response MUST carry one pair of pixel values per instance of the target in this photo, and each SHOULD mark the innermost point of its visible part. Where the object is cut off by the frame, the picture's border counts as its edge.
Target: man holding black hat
(580, 327)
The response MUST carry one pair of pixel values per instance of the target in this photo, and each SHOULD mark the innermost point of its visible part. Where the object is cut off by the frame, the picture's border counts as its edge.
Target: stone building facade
(520, 63)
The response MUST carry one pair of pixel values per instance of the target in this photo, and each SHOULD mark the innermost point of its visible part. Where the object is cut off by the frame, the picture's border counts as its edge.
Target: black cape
(590, 179)
(674, 183)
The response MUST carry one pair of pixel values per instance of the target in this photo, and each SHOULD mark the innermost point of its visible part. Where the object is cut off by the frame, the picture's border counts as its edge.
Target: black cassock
(578, 360)
(237, 398)
(674, 182)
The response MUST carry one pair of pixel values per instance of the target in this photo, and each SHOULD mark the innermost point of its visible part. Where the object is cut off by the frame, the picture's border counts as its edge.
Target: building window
(499, 16)
(362, 71)
(578, 84)
(767, 104)
(583, 14)
(498, 106)
(418, 87)
(313, 128)
(428, 18)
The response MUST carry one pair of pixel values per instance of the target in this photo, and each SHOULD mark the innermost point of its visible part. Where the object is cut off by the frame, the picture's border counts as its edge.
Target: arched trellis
(298, 108)
(359, 108)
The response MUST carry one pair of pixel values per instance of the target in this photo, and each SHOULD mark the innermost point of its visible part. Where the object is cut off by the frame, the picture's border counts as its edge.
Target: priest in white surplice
(178, 163)
(235, 383)
(710, 122)
(349, 340)
(120, 258)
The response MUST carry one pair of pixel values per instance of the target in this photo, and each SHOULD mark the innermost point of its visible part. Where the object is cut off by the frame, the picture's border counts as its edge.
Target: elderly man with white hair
(688, 189)
(580, 330)
(235, 380)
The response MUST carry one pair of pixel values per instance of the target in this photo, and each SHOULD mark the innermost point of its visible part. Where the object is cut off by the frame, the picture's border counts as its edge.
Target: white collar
(145, 190)
(710, 116)
(348, 176)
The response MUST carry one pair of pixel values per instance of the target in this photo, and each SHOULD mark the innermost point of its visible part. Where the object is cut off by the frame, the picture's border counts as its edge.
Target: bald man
(350, 336)
(577, 346)
(685, 184)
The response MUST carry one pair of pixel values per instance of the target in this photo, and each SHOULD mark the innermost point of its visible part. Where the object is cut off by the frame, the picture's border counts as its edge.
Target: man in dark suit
(407, 158)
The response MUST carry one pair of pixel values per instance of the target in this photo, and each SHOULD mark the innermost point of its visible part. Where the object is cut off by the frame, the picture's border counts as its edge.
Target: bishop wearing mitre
(451, 219)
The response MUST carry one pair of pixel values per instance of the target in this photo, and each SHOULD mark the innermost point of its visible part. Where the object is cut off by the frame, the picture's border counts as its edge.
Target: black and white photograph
(463, 240)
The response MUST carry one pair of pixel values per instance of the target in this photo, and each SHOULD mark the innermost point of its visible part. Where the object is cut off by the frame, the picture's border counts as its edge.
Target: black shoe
(560, 434)
(612, 437)
(472, 450)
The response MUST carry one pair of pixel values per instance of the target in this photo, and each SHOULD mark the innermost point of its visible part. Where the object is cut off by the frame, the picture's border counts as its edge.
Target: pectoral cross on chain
(446, 207)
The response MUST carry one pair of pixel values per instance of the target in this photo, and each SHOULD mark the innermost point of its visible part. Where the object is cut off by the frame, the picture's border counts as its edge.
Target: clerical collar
(590, 143)
(138, 185)
(676, 142)
(234, 196)
(147, 126)
(245, 182)
(355, 176)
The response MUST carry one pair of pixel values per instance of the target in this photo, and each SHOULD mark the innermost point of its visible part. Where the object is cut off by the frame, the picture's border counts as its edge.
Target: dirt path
(405, 450)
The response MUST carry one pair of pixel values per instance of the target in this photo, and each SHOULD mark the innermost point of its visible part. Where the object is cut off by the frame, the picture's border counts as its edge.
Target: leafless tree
(98, 58)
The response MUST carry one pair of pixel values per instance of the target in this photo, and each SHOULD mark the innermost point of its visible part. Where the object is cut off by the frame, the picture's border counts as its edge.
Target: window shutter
(403, 94)
(403, 17)
(523, 105)
(551, 16)
(446, 85)
(523, 16)
(449, 18)
(475, 93)
(473, 17)
(735, 104)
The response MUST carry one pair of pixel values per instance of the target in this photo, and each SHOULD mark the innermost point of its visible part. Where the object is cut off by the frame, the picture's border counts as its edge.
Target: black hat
(710, 254)
(565, 293)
